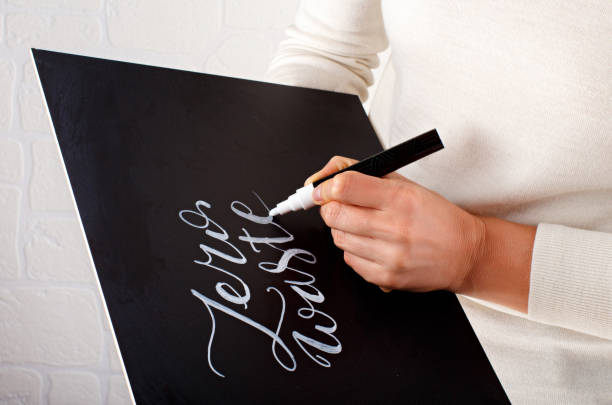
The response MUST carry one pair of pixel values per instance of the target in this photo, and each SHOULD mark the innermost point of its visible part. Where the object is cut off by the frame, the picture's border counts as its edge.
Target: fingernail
(308, 181)
(316, 195)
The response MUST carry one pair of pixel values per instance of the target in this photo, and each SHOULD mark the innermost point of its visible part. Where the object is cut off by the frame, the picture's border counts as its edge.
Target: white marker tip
(273, 212)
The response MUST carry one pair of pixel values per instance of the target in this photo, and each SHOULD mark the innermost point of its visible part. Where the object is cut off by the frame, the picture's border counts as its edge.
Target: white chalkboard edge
(89, 255)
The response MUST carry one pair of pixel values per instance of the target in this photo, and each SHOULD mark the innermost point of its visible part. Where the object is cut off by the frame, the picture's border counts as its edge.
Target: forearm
(502, 264)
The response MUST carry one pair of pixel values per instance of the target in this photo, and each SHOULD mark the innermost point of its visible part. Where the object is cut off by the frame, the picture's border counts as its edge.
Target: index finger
(355, 188)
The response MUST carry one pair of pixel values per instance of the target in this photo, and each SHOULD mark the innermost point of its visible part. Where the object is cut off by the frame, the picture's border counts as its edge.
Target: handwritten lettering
(276, 340)
(222, 288)
(299, 281)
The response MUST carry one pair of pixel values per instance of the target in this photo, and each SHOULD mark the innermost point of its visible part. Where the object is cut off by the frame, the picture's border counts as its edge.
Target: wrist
(475, 253)
(502, 264)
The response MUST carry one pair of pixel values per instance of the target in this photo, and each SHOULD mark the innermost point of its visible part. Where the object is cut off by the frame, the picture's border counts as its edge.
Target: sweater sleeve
(571, 279)
(333, 45)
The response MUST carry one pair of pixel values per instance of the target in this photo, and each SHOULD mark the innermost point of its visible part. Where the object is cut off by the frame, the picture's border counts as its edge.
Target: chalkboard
(210, 300)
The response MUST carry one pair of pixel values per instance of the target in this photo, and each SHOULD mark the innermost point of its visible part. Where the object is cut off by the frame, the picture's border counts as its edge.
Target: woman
(515, 215)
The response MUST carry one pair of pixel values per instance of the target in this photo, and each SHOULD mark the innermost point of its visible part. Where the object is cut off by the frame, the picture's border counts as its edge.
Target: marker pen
(377, 165)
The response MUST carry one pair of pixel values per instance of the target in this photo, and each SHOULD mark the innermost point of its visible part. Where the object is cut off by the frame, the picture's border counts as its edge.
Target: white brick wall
(55, 347)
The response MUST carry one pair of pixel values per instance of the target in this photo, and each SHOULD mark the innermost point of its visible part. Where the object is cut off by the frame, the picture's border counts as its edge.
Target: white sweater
(521, 94)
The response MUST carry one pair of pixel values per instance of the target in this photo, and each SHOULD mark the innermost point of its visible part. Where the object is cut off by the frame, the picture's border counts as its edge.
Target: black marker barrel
(394, 158)
(377, 165)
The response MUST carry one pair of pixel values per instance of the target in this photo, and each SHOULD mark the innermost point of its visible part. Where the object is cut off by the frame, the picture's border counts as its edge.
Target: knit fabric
(521, 94)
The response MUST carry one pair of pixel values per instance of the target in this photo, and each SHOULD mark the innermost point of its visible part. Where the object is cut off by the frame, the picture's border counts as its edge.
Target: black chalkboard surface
(210, 300)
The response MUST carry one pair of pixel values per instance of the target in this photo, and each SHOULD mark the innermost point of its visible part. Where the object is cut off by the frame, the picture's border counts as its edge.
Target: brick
(90, 5)
(51, 326)
(118, 393)
(23, 29)
(242, 55)
(7, 79)
(9, 210)
(49, 188)
(34, 115)
(19, 387)
(57, 252)
(177, 26)
(261, 14)
(68, 32)
(11, 161)
(29, 74)
(76, 388)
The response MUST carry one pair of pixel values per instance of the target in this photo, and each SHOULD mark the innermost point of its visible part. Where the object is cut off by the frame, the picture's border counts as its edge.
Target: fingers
(356, 220)
(362, 246)
(334, 165)
(357, 189)
(370, 271)
(365, 255)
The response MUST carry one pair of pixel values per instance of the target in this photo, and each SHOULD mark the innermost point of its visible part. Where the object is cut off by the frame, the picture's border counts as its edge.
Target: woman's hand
(400, 235)
(396, 233)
